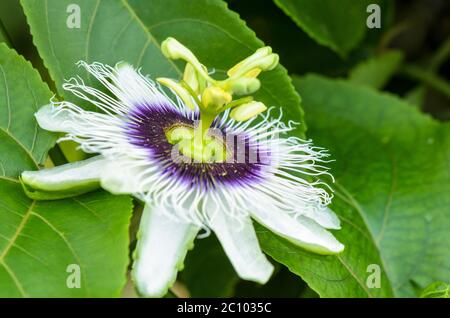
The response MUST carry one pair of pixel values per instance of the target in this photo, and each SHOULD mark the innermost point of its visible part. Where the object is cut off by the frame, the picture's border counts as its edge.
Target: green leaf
(343, 275)
(22, 93)
(436, 290)
(40, 240)
(377, 71)
(339, 25)
(214, 33)
(391, 192)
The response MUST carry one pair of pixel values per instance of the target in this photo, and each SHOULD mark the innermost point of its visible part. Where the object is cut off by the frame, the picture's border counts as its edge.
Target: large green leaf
(392, 182)
(22, 92)
(40, 240)
(343, 275)
(339, 25)
(132, 30)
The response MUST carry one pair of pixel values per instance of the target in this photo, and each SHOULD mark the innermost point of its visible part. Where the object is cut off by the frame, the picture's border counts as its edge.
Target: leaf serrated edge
(330, 44)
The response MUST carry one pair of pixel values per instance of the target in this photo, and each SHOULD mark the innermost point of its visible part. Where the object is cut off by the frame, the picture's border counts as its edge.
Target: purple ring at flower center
(147, 128)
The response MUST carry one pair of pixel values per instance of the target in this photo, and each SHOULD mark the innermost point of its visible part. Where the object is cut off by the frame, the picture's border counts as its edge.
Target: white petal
(69, 118)
(162, 246)
(325, 217)
(301, 231)
(66, 176)
(241, 245)
(50, 120)
(119, 177)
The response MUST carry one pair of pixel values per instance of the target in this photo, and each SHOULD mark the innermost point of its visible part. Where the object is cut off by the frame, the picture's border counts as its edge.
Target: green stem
(192, 93)
(440, 56)
(428, 78)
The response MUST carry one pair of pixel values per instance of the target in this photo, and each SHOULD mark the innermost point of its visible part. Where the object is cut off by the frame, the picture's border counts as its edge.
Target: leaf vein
(89, 31)
(25, 218)
(8, 101)
(14, 278)
(147, 32)
(8, 133)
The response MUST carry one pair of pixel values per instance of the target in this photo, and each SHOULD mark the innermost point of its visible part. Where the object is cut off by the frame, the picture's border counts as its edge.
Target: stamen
(247, 111)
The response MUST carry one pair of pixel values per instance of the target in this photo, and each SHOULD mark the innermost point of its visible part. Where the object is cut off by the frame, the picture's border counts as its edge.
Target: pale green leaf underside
(132, 30)
(392, 173)
(339, 25)
(39, 240)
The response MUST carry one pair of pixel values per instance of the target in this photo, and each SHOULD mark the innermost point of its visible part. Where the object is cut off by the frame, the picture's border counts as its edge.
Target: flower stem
(428, 78)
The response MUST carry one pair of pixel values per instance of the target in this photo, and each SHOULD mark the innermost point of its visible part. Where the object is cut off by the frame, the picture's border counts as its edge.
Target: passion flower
(201, 160)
